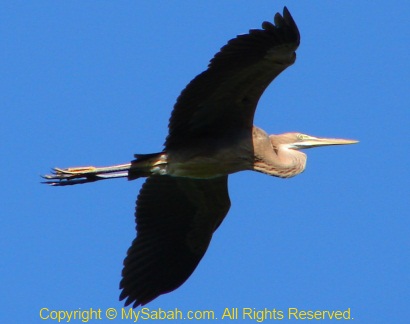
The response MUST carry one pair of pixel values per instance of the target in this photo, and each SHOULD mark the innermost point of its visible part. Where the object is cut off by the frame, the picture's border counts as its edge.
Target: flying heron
(211, 135)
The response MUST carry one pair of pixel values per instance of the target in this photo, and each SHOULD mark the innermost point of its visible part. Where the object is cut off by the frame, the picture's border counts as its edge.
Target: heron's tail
(146, 165)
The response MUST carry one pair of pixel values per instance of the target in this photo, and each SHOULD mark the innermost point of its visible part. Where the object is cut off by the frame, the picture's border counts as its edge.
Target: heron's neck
(291, 162)
(279, 161)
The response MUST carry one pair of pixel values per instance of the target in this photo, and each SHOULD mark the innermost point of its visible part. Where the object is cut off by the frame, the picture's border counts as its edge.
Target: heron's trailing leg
(144, 165)
(77, 175)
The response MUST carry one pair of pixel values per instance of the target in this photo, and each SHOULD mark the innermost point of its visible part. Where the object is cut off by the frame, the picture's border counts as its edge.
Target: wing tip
(284, 21)
(129, 299)
(287, 17)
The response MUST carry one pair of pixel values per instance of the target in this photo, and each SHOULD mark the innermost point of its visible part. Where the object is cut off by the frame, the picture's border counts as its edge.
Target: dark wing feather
(223, 98)
(176, 218)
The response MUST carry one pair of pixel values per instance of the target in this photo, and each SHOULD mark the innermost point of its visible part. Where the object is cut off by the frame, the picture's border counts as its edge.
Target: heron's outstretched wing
(224, 97)
(176, 218)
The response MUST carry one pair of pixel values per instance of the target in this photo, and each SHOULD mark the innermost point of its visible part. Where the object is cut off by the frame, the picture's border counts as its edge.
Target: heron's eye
(302, 136)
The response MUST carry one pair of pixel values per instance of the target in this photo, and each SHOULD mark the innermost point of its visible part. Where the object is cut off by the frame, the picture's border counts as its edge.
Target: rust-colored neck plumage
(273, 155)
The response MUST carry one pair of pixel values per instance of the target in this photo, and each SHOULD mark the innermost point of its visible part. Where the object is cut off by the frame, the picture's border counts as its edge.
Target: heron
(211, 135)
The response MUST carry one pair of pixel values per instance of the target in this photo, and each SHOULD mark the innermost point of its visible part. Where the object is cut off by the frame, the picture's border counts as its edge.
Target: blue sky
(93, 82)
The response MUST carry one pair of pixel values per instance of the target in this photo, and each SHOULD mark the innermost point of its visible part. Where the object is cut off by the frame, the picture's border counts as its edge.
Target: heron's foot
(77, 175)
(70, 176)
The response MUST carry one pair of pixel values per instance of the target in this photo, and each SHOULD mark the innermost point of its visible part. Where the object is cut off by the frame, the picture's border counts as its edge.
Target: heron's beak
(311, 141)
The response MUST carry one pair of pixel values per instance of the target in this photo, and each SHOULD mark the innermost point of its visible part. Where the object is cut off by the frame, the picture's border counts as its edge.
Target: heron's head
(299, 141)
(290, 161)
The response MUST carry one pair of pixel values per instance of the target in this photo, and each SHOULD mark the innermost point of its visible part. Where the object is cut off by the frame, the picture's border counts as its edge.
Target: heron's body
(211, 135)
(208, 160)
(257, 151)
